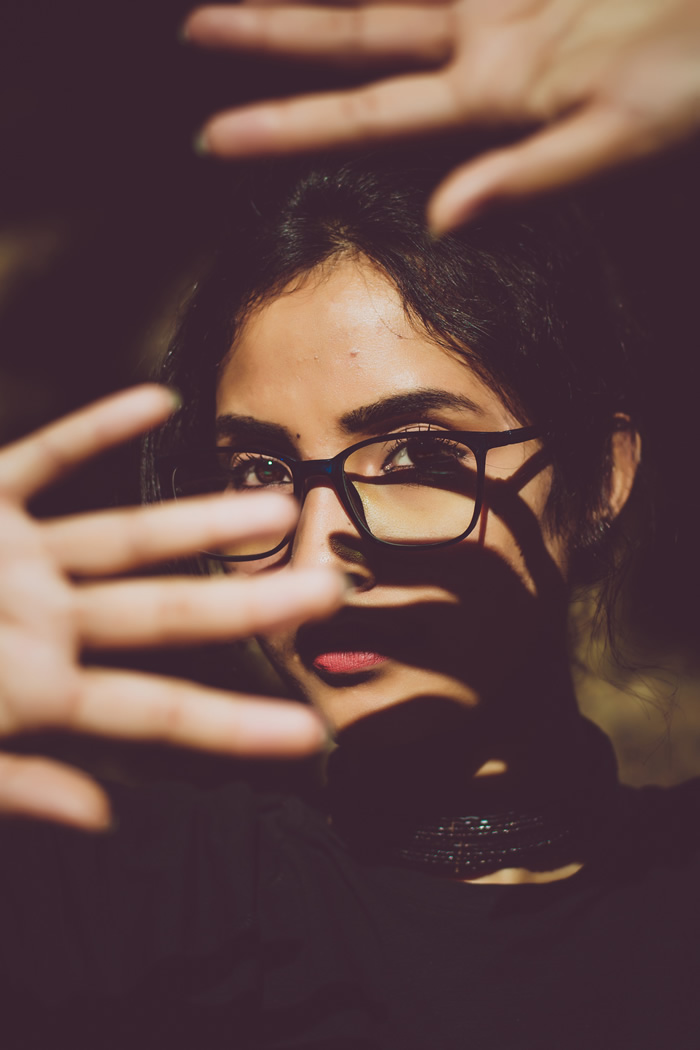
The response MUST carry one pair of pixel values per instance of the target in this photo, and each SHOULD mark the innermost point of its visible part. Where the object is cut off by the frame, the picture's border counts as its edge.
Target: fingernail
(438, 229)
(434, 234)
(86, 816)
(110, 825)
(183, 35)
(200, 144)
(176, 397)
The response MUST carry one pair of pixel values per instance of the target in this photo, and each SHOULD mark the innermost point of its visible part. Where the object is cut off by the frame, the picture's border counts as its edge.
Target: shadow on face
(480, 625)
(472, 635)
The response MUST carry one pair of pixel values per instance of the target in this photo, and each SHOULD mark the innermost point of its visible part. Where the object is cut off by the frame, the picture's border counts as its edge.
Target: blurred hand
(598, 82)
(51, 609)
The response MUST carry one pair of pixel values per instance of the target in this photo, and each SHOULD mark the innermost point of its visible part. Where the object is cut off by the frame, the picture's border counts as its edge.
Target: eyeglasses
(417, 489)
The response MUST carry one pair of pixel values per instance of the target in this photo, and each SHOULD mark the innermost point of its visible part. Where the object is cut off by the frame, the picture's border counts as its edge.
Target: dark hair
(526, 299)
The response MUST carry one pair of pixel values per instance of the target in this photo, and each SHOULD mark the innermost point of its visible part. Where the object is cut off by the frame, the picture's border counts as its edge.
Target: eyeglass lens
(412, 489)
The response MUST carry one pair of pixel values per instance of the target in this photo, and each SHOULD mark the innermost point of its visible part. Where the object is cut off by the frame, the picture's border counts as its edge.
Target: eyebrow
(387, 411)
(257, 431)
(403, 406)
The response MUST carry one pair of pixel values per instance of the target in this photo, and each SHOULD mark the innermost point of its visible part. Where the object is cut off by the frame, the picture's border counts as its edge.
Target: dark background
(105, 212)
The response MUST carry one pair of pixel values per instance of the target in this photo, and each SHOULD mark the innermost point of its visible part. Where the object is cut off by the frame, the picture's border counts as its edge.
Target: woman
(453, 417)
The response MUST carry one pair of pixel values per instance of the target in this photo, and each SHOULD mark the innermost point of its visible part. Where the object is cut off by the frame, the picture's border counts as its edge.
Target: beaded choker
(405, 812)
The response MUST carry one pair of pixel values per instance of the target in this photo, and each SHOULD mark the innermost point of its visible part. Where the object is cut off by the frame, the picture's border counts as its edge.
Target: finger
(332, 4)
(406, 105)
(136, 706)
(33, 462)
(569, 151)
(135, 613)
(48, 790)
(116, 541)
(376, 33)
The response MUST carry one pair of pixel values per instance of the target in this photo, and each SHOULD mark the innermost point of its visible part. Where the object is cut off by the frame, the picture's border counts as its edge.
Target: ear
(625, 454)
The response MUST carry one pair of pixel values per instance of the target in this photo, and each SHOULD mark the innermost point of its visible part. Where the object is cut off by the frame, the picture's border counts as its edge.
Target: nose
(326, 537)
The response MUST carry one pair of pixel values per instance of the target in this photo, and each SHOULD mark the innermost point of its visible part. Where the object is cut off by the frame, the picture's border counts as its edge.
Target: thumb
(49, 790)
(585, 143)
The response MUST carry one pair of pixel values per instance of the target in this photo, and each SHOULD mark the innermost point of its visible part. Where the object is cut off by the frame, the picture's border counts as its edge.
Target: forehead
(334, 341)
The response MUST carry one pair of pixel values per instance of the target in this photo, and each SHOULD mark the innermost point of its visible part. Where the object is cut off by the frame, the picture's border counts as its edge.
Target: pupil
(430, 453)
(268, 471)
(422, 449)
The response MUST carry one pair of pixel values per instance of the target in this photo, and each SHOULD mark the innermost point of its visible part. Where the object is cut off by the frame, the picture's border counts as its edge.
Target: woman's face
(454, 623)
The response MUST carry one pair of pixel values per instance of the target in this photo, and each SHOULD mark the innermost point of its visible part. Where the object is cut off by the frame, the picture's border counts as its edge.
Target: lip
(343, 662)
(352, 642)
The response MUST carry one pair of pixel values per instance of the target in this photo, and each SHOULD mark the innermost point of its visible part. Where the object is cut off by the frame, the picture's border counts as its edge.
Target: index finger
(134, 706)
(345, 4)
(28, 465)
(395, 107)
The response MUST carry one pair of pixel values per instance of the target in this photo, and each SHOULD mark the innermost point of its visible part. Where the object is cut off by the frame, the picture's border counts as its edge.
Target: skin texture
(51, 611)
(594, 84)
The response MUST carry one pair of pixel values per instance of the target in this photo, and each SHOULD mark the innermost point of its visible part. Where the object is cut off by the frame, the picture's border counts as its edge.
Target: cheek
(280, 651)
(495, 536)
(517, 530)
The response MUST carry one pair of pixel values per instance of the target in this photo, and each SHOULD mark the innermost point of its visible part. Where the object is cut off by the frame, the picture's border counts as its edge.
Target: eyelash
(400, 441)
(397, 443)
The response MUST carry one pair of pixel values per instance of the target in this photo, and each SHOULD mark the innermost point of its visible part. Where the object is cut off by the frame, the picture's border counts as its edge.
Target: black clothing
(230, 919)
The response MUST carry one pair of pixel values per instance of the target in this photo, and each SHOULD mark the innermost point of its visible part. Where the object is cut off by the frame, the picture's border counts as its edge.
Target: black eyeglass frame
(332, 470)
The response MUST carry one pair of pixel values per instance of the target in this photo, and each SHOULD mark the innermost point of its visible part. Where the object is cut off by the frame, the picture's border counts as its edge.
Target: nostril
(356, 581)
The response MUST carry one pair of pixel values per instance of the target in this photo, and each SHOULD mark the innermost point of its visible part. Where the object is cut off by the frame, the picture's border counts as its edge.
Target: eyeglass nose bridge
(326, 471)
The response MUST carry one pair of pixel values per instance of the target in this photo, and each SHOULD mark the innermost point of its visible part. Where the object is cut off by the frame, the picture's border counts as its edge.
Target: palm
(56, 601)
(39, 643)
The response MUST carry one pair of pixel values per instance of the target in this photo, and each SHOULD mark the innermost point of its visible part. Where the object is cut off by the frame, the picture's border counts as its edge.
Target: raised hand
(51, 610)
(598, 83)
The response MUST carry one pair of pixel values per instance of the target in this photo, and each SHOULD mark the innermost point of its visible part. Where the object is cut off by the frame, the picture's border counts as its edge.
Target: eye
(427, 453)
(252, 470)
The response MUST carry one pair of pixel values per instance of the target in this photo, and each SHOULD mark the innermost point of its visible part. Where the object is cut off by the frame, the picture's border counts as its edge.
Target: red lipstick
(347, 662)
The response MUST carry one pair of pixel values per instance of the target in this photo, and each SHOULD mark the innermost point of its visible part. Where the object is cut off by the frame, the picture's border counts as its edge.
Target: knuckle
(256, 604)
(349, 25)
(496, 80)
(171, 715)
(84, 612)
(363, 111)
(139, 538)
(13, 771)
(69, 702)
(358, 31)
(52, 698)
(241, 612)
(50, 449)
(174, 606)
